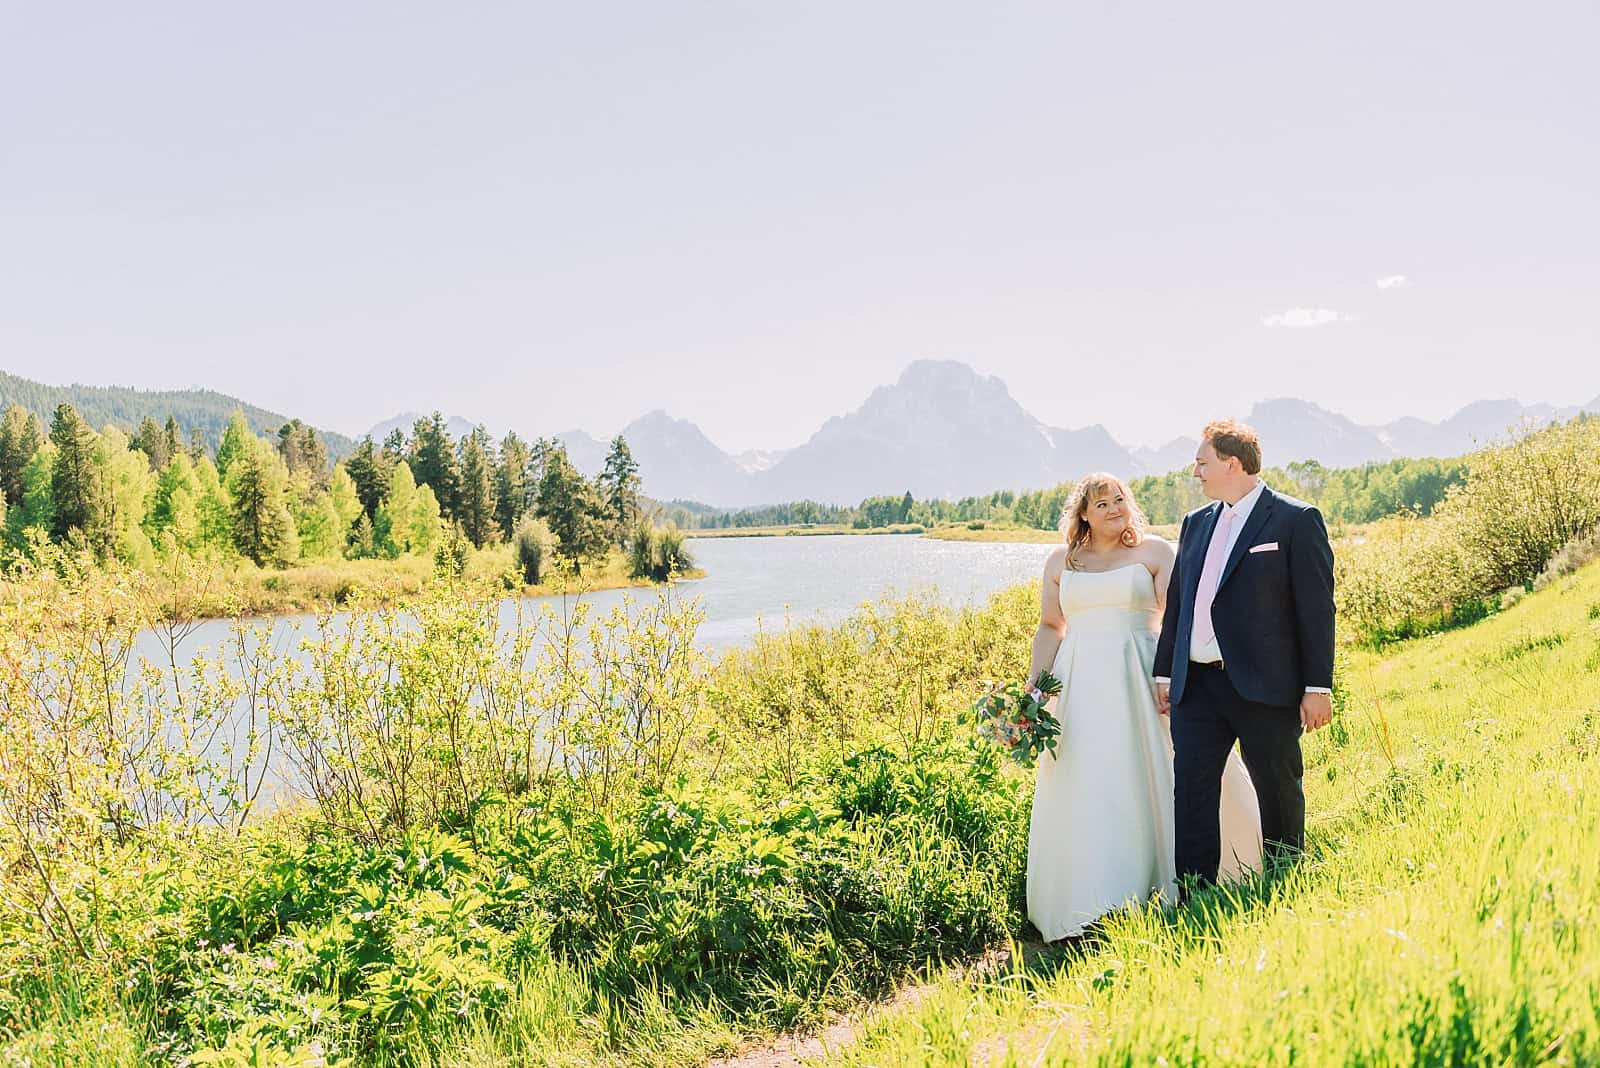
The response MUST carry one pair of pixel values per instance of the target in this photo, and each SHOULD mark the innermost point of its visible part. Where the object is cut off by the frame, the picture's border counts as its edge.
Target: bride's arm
(1052, 624)
(1163, 558)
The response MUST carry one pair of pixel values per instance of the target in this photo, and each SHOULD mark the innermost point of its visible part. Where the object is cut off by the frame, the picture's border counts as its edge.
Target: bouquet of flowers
(1015, 718)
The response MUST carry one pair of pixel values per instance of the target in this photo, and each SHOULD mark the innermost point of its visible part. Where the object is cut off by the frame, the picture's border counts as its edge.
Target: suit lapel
(1252, 527)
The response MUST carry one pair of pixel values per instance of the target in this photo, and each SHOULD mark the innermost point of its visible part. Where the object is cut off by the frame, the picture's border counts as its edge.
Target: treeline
(276, 499)
(1362, 494)
(1349, 495)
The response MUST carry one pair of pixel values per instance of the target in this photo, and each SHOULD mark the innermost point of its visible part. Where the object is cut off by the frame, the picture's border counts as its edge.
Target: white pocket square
(1265, 547)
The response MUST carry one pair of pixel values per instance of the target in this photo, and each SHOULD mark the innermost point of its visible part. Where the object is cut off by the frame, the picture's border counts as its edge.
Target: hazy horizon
(551, 218)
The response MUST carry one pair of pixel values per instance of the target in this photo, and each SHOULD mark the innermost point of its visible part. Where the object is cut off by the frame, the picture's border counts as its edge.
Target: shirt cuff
(1318, 689)
(1165, 680)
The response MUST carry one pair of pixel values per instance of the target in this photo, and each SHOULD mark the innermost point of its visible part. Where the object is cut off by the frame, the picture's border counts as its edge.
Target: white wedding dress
(1101, 834)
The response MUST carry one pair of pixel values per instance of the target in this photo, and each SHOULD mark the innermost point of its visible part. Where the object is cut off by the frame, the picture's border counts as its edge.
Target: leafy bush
(530, 544)
(451, 554)
(1581, 550)
(1519, 506)
(657, 553)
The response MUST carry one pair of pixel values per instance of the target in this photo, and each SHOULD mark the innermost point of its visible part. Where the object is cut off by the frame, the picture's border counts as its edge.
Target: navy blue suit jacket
(1274, 607)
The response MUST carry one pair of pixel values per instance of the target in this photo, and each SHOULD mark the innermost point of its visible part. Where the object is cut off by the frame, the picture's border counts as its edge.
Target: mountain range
(941, 430)
(944, 430)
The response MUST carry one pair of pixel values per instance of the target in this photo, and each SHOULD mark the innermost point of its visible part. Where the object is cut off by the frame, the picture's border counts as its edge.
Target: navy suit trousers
(1206, 722)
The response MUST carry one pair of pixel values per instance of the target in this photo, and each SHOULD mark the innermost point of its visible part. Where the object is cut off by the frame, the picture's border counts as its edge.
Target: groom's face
(1213, 472)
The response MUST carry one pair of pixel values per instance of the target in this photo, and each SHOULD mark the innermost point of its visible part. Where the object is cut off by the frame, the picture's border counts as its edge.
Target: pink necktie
(1216, 553)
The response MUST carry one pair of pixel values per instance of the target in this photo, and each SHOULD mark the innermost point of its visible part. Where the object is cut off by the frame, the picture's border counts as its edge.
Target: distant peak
(656, 417)
(937, 371)
(1281, 403)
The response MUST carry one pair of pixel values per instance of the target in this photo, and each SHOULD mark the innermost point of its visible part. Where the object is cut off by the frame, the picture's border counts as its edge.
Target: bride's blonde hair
(1074, 518)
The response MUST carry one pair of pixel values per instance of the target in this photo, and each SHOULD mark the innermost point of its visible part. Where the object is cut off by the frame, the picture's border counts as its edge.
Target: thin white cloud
(1393, 281)
(1304, 317)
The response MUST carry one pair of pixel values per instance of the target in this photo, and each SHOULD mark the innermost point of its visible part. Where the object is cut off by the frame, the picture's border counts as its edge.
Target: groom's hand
(1316, 711)
(1164, 698)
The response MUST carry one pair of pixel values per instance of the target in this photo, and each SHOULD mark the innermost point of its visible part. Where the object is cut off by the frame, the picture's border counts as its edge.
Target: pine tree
(173, 437)
(539, 456)
(236, 441)
(370, 472)
(263, 526)
(573, 509)
(20, 438)
(513, 492)
(619, 488)
(153, 443)
(363, 545)
(305, 454)
(433, 461)
(75, 485)
(394, 446)
(475, 504)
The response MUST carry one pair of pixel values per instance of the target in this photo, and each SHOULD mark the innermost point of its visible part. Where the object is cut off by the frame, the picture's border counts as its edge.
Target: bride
(1101, 833)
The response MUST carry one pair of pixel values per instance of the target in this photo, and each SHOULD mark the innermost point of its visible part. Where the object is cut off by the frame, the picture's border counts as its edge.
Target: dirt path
(794, 1050)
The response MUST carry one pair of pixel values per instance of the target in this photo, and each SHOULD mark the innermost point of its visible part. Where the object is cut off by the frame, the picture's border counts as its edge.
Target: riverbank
(986, 532)
(198, 591)
(980, 531)
(803, 531)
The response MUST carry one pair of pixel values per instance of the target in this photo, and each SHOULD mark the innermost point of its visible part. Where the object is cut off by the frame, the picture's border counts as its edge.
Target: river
(753, 582)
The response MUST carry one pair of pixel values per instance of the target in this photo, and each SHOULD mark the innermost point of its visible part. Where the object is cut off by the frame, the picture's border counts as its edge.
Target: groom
(1246, 650)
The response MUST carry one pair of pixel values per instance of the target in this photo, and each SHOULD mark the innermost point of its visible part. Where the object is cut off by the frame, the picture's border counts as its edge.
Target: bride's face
(1107, 515)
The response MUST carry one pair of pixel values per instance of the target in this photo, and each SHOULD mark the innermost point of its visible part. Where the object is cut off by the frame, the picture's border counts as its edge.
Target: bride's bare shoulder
(1055, 562)
(1159, 549)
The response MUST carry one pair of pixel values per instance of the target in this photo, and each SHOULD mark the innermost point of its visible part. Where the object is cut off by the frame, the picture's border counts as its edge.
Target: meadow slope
(1446, 913)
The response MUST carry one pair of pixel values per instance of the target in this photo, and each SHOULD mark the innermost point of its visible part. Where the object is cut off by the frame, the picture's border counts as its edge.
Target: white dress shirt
(1211, 652)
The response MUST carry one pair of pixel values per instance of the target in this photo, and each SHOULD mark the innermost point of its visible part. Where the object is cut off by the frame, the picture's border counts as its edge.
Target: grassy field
(1448, 912)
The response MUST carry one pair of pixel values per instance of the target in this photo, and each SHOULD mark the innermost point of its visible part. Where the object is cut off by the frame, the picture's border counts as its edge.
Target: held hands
(1316, 711)
(1163, 698)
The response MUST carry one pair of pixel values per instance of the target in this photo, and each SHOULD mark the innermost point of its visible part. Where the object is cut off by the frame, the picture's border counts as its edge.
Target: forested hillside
(196, 410)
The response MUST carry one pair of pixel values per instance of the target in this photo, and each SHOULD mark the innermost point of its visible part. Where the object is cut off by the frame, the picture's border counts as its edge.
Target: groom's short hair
(1230, 438)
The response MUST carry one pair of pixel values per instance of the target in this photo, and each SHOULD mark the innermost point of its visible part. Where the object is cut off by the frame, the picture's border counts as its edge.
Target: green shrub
(530, 545)
(451, 555)
(1581, 550)
(1523, 505)
(657, 553)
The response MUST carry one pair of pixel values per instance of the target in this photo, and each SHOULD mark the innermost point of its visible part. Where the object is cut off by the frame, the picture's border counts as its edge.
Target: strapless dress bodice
(1122, 599)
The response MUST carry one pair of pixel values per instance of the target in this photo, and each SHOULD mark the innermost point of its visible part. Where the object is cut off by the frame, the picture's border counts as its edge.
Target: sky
(542, 216)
